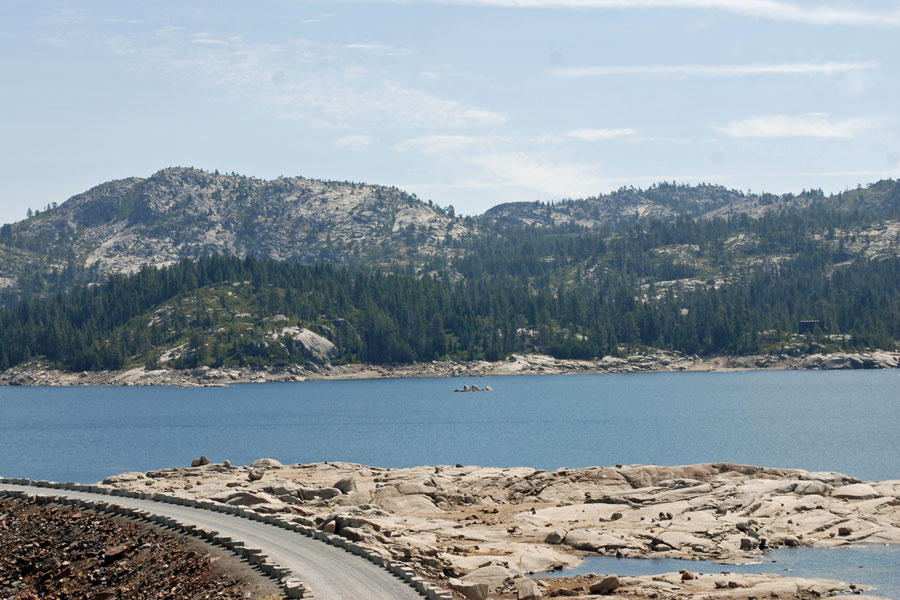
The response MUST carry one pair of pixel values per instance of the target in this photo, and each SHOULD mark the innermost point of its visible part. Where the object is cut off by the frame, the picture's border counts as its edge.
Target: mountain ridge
(118, 226)
(176, 213)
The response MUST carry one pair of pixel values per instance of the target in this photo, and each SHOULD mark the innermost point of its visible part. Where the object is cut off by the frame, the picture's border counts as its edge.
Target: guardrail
(292, 586)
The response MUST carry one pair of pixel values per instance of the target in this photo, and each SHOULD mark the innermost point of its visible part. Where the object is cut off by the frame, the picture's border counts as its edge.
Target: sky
(469, 103)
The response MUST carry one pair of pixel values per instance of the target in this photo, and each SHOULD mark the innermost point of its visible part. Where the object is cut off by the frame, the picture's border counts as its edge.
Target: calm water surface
(874, 565)
(842, 421)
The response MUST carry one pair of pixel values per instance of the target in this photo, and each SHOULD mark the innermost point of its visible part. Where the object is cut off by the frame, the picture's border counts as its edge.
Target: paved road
(329, 572)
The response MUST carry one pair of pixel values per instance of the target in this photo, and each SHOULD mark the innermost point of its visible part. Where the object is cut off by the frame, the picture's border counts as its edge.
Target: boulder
(313, 346)
(585, 539)
(885, 360)
(115, 553)
(199, 462)
(567, 592)
(856, 491)
(808, 488)
(414, 503)
(266, 463)
(470, 589)
(813, 361)
(680, 540)
(346, 485)
(319, 493)
(284, 488)
(527, 589)
(492, 576)
(354, 535)
(836, 361)
(607, 585)
(555, 537)
(255, 474)
(415, 487)
(246, 498)
(832, 478)
(124, 478)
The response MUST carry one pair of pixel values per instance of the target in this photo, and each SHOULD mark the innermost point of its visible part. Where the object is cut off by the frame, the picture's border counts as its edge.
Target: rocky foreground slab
(480, 530)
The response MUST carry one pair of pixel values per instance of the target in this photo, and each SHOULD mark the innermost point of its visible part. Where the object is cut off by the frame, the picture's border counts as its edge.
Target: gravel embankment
(51, 552)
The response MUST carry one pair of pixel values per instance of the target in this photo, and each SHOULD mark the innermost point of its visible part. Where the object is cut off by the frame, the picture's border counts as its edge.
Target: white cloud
(541, 174)
(764, 9)
(206, 38)
(595, 135)
(852, 173)
(815, 125)
(445, 144)
(354, 142)
(821, 68)
(517, 175)
(377, 48)
(302, 80)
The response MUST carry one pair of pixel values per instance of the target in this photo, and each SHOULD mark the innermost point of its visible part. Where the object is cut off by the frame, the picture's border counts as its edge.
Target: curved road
(329, 572)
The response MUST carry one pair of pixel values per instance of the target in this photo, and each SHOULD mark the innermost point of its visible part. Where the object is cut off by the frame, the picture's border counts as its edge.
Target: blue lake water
(840, 420)
(874, 565)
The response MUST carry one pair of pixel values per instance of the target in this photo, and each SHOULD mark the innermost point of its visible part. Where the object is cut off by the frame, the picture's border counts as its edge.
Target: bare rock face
(469, 589)
(527, 589)
(186, 213)
(489, 526)
(607, 585)
(555, 537)
(124, 478)
(492, 576)
(317, 348)
(266, 463)
(856, 491)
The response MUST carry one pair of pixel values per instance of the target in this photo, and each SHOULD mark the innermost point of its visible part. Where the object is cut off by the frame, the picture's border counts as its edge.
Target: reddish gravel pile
(49, 552)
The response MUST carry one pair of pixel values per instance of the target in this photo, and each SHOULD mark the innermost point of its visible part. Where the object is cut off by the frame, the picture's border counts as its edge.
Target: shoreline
(40, 374)
(465, 526)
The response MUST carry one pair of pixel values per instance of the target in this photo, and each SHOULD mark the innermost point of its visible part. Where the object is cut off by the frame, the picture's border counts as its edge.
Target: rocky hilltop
(180, 213)
(668, 202)
(186, 213)
(480, 530)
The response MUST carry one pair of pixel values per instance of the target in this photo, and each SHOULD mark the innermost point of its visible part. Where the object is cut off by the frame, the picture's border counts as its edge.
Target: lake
(844, 421)
(833, 420)
(876, 565)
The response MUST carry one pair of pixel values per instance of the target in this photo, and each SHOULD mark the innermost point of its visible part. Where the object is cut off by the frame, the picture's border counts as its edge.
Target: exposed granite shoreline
(482, 530)
(40, 374)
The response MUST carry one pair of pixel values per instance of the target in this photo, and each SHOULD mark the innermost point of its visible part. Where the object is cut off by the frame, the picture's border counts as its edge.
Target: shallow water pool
(874, 565)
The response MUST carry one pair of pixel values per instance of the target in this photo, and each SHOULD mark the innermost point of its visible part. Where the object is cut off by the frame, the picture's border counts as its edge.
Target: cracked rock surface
(494, 525)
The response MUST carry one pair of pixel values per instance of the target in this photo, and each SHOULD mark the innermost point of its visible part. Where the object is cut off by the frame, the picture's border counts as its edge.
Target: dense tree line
(381, 317)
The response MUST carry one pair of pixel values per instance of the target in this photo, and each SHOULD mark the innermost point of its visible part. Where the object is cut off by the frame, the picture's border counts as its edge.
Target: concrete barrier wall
(292, 586)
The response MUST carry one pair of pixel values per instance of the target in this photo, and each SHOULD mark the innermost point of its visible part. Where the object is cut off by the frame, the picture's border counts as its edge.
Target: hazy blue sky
(469, 103)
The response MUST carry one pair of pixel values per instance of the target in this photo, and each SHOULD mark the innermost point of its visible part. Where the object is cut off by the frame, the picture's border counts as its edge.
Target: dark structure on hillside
(811, 326)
